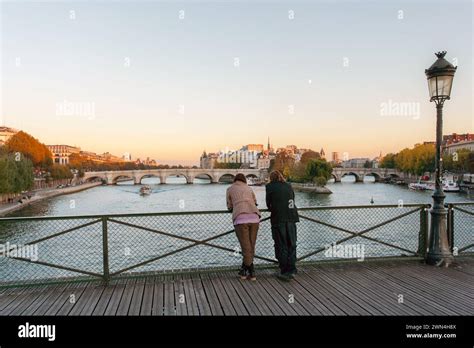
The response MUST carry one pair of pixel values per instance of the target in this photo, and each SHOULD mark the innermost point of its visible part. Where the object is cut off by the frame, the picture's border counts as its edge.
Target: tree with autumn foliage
(31, 148)
(417, 160)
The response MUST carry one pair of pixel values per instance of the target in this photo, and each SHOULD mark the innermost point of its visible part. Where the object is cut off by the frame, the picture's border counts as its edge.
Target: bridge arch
(116, 178)
(209, 176)
(145, 176)
(94, 178)
(356, 176)
(376, 176)
(225, 175)
(178, 174)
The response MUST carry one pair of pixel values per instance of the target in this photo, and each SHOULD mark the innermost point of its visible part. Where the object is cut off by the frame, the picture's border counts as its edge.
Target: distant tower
(322, 153)
(268, 144)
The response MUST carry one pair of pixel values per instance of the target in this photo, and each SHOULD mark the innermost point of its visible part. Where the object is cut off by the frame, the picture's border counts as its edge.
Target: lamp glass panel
(440, 86)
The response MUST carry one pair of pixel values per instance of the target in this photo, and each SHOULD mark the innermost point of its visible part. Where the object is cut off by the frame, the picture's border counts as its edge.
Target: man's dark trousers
(284, 236)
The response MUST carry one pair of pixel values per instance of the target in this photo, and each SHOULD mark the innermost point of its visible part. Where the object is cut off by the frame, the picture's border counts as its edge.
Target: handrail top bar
(205, 212)
(460, 203)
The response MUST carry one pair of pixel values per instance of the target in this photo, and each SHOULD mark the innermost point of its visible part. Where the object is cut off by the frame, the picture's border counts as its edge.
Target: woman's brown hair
(240, 177)
(277, 176)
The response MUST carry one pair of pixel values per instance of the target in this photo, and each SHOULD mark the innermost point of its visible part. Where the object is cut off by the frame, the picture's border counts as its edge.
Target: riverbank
(41, 195)
(309, 188)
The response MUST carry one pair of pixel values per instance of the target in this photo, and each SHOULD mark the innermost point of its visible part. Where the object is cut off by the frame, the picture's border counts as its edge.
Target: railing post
(451, 226)
(105, 250)
(423, 234)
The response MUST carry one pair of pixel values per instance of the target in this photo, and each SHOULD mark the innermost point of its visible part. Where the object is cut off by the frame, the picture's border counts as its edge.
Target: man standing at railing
(280, 199)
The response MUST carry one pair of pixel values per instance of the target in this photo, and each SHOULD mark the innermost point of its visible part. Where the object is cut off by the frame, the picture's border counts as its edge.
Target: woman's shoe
(251, 270)
(243, 272)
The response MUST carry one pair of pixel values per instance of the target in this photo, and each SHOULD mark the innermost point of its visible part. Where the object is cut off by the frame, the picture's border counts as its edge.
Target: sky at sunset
(169, 79)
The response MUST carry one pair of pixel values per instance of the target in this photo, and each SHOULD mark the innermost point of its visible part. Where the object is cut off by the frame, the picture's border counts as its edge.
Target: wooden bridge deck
(399, 287)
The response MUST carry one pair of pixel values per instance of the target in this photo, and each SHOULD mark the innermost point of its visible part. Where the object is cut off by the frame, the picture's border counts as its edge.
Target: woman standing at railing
(241, 201)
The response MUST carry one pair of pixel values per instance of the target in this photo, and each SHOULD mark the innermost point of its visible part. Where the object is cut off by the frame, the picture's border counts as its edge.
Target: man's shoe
(283, 277)
(251, 272)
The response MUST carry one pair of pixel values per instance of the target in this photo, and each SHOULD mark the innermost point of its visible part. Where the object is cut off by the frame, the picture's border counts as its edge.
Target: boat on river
(449, 185)
(145, 190)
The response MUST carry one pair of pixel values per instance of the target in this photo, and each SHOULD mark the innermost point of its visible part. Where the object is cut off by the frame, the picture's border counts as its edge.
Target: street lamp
(440, 80)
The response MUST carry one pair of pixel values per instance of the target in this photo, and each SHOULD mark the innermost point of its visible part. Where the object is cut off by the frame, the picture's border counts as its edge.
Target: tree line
(310, 168)
(421, 159)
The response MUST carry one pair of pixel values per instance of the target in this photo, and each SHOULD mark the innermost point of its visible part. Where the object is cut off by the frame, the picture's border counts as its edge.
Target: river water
(177, 196)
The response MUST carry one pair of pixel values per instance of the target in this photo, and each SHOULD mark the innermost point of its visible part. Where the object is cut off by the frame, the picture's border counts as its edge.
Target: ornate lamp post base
(439, 253)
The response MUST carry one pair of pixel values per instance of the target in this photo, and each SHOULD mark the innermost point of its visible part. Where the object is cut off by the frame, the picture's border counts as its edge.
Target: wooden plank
(190, 296)
(147, 302)
(435, 276)
(105, 298)
(408, 306)
(224, 299)
(265, 303)
(180, 298)
(22, 302)
(351, 292)
(10, 295)
(158, 296)
(74, 296)
(124, 304)
(334, 295)
(114, 302)
(231, 281)
(93, 299)
(201, 298)
(237, 303)
(307, 300)
(84, 299)
(315, 295)
(449, 299)
(54, 303)
(423, 302)
(50, 295)
(169, 306)
(137, 296)
(35, 303)
(384, 301)
(212, 297)
(290, 306)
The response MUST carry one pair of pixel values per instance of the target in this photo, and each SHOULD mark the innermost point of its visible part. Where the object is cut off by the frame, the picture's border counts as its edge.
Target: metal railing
(461, 227)
(107, 246)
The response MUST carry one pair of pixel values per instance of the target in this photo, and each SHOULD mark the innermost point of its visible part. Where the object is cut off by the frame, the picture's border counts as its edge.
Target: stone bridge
(378, 173)
(215, 175)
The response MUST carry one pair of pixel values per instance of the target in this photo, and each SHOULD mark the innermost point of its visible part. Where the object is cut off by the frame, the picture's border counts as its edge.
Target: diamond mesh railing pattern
(461, 227)
(58, 248)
